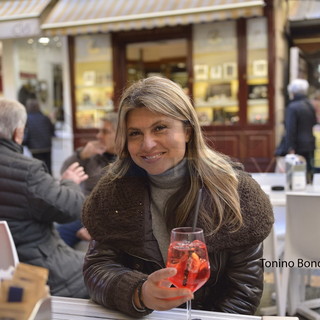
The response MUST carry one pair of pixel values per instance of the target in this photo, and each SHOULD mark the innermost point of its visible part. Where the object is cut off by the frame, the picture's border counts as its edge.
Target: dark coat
(299, 122)
(31, 200)
(39, 132)
(125, 250)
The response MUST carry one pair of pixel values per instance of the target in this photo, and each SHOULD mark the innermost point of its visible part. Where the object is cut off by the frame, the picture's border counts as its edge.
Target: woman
(152, 188)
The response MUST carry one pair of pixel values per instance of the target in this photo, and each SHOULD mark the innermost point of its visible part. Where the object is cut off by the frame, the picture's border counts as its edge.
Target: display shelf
(217, 104)
(102, 85)
(255, 102)
(94, 107)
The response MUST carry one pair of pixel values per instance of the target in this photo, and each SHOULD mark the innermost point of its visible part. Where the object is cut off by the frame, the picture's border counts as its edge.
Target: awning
(304, 10)
(304, 17)
(20, 18)
(91, 16)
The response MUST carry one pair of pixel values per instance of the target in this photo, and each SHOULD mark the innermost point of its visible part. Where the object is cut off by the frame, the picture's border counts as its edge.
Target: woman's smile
(153, 157)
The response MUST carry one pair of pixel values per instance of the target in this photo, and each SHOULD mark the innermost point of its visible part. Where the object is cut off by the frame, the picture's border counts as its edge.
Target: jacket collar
(13, 146)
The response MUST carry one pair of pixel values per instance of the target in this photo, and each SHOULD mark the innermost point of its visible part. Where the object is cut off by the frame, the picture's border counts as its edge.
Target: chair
(8, 252)
(273, 245)
(271, 252)
(301, 242)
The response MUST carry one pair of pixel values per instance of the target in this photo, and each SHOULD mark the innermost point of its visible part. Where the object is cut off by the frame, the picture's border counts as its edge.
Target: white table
(81, 309)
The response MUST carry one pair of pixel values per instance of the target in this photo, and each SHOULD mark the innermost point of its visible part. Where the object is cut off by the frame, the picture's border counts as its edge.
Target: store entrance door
(166, 58)
(163, 52)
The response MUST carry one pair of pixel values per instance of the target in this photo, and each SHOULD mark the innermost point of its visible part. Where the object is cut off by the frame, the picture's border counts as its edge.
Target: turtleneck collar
(11, 145)
(171, 178)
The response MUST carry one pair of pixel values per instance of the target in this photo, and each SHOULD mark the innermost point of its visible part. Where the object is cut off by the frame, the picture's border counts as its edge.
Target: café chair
(271, 252)
(8, 252)
(301, 245)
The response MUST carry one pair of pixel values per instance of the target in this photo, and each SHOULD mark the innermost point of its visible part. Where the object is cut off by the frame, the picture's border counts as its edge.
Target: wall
(281, 66)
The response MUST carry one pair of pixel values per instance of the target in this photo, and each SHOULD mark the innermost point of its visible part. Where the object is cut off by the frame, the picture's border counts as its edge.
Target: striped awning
(91, 16)
(21, 18)
(304, 10)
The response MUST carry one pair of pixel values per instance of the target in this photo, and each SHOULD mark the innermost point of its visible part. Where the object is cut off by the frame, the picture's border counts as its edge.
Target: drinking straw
(196, 212)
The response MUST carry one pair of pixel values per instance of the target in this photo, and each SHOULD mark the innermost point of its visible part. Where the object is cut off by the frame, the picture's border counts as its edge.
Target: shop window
(216, 79)
(215, 86)
(93, 79)
(257, 71)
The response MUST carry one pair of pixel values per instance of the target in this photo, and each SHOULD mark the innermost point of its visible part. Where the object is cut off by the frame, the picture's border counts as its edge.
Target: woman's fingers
(158, 293)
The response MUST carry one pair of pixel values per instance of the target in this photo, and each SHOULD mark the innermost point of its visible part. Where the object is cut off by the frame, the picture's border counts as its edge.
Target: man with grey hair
(31, 200)
(94, 156)
(299, 121)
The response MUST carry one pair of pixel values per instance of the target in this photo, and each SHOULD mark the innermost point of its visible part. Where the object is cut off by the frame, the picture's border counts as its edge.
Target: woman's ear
(18, 135)
(188, 133)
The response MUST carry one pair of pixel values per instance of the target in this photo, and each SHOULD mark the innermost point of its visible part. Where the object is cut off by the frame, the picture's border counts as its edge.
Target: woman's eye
(133, 133)
(160, 128)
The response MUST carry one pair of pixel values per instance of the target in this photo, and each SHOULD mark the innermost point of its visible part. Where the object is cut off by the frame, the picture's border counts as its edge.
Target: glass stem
(189, 310)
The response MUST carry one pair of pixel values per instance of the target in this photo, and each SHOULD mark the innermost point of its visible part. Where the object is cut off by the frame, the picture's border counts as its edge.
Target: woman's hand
(157, 293)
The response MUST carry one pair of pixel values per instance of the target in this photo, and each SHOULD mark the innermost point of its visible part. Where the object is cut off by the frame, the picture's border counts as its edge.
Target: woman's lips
(153, 157)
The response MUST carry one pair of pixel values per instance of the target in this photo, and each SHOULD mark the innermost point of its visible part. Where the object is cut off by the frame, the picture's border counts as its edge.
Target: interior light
(44, 40)
(30, 41)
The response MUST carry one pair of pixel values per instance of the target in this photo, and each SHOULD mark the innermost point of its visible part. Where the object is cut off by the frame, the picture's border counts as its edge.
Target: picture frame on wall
(260, 68)
(229, 70)
(89, 78)
(257, 91)
(205, 116)
(216, 72)
(201, 71)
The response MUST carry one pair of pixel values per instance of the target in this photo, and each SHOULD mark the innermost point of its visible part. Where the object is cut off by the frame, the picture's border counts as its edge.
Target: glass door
(166, 58)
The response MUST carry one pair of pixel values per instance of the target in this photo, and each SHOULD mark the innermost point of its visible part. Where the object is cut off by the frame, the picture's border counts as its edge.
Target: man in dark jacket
(31, 200)
(94, 156)
(39, 133)
(299, 122)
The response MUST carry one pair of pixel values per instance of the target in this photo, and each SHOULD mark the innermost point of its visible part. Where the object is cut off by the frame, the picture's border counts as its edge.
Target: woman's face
(156, 142)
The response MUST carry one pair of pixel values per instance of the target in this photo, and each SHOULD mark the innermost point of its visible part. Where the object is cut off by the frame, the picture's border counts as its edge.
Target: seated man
(94, 156)
(31, 201)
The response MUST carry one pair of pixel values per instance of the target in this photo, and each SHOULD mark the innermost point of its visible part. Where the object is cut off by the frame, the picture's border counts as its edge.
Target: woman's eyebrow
(152, 125)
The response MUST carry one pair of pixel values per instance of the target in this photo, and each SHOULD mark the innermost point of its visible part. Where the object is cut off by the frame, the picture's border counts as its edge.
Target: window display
(215, 73)
(216, 79)
(93, 79)
(257, 70)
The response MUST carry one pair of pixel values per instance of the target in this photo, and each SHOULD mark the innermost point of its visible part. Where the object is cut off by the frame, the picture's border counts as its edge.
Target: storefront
(222, 52)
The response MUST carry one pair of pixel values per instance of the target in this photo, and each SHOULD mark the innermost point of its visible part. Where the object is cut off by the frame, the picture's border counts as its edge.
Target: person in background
(94, 156)
(39, 132)
(315, 100)
(299, 121)
(31, 201)
(152, 187)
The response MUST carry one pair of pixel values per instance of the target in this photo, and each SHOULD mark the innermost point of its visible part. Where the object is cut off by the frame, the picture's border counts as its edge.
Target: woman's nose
(148, 142)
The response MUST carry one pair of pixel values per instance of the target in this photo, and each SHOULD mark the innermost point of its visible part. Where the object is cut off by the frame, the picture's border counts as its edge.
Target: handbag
(281, 149)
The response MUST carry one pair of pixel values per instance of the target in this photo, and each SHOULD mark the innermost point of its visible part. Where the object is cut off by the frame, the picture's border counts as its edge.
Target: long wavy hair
(207, 168)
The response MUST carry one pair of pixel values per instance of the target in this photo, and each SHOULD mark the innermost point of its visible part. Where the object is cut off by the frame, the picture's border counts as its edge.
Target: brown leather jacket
(125, 251)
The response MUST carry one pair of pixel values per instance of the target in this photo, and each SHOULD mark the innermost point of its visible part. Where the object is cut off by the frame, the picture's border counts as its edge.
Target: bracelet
(139, 291)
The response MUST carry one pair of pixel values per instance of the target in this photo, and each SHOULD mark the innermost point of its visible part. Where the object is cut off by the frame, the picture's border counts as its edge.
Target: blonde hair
(206, 167)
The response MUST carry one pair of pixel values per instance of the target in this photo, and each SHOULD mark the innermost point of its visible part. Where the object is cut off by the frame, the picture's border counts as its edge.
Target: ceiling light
(44, 40)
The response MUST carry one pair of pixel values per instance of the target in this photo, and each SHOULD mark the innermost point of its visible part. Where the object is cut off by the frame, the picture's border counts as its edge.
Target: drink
(191, 261)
